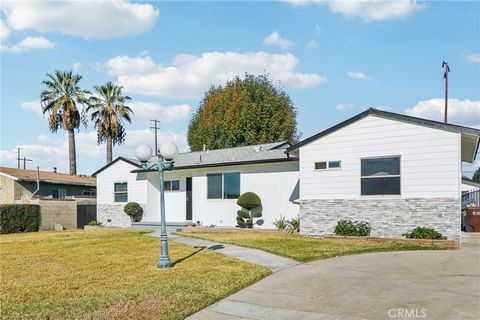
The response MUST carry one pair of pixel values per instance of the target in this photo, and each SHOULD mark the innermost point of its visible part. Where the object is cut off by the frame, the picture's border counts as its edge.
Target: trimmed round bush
(133, 209)
(352, 228)
(249, 201)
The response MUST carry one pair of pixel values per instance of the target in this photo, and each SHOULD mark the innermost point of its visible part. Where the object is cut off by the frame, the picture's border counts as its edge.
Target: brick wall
(388, 217)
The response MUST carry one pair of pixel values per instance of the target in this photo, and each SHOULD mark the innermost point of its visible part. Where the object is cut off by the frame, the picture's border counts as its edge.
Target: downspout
(38, 181)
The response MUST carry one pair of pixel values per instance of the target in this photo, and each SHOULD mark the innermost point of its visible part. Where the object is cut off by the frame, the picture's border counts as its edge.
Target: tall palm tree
(61, 99)
(109, 111)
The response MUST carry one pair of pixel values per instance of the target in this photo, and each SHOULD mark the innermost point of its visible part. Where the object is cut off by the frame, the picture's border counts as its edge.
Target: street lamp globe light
(143, 153)
(168, 151)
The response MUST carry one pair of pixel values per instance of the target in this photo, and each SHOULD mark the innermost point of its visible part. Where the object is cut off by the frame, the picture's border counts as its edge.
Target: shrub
(424, 233)
(252, 208)
(293, 225)
(94, 223)
(19, 218)
(280, 223)
(133, 209)
(352, 228)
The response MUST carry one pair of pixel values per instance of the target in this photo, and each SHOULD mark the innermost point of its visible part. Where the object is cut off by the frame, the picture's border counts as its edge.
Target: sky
(334, 59)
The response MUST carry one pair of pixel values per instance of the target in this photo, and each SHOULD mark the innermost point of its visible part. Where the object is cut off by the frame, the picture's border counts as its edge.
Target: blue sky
(333, 58)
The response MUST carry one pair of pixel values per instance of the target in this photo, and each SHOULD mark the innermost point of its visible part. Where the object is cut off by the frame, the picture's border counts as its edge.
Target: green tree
(242, 112)
(60, 100)
(109, 111)
(476, 176)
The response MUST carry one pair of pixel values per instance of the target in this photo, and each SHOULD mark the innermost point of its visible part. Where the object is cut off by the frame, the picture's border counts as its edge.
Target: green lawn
(301, 248)
(111, 275)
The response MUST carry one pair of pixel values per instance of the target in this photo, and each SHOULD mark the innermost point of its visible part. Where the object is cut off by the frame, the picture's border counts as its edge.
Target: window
(121, 192)
(172, 185)
(88, 193)
(380, 176)
(59, 193)
(328, 165)
(223, 186)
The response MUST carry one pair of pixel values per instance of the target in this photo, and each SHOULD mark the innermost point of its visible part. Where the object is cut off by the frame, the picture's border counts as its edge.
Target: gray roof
(267, 152)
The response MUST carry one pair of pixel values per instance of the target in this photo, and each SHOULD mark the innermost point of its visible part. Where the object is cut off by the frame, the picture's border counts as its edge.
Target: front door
(189, 199)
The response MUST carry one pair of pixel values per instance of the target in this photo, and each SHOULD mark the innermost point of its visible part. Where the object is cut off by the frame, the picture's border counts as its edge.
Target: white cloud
(189, 76)
(33, 106)
(312, 44)
(76, 66)
(462, 112)
(344, 107)
(474, 57)
(274, 39)
(52, 150)
(93, 19)
(367, 10)
(28, 44)
(356, 75)
(147, 111)
(317, 28)
(4, 31)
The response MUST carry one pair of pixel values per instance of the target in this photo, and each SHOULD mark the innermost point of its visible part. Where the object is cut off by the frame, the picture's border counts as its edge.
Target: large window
(172, 185)
(59, 193)
(121, 192)
(380, 176)
(223, 186)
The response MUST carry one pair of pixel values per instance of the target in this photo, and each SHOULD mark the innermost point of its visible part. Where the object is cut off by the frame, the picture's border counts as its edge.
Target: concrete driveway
(391, 285)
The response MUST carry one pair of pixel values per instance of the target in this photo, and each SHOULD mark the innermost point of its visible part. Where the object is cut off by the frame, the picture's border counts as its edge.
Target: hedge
(19, 218)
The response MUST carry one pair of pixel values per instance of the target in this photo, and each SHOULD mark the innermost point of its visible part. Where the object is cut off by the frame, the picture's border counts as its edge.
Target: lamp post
(166, 154)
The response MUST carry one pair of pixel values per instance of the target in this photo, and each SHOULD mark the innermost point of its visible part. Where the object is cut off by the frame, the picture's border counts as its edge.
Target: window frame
(223, 186)
(60, 196)
(327, 165)
(119, 192)
(171, 184)
(399, 176)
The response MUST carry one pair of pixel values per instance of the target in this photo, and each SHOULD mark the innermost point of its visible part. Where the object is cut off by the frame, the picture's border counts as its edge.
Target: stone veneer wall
(388, 217)
(112, 215)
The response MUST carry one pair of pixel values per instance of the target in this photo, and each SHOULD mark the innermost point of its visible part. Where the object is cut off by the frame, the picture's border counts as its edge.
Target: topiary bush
(134, 210)
(424, 233)
(19, 218)
(252, 208)
(352, 228)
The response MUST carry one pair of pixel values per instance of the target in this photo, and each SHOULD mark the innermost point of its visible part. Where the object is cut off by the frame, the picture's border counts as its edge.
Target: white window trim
(222, 199)
(382, 196)
(327, 164)
(115, 192)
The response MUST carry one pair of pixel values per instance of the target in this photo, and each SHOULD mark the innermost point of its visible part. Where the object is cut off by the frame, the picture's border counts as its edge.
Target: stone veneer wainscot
(388, 217)
(116, 215)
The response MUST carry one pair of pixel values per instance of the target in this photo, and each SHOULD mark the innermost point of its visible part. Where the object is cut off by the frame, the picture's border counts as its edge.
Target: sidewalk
(273, 262)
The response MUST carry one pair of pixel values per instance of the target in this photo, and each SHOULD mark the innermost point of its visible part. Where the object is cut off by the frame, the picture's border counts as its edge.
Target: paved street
(392, 285)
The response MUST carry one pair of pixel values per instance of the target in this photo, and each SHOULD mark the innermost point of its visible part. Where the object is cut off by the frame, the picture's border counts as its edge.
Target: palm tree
(109, 112)
(60, 100)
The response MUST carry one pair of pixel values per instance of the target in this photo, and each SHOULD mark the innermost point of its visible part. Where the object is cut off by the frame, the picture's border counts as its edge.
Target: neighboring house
(203, 187)
(394, 171)
(469, 185)
(117, 186)
(18, 184)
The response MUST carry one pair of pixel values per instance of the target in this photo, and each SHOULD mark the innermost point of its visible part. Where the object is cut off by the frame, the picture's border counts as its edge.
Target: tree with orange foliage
(243, 112)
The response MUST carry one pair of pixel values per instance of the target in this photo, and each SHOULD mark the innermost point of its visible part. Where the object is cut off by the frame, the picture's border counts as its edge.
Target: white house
(394, 171)
(203, 187)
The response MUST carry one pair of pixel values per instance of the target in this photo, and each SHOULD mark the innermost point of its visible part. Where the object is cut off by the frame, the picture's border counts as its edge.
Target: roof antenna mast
(155, 124)
(445, 76)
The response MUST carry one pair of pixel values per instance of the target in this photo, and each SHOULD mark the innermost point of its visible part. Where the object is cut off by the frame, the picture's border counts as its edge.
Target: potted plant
(134, 211)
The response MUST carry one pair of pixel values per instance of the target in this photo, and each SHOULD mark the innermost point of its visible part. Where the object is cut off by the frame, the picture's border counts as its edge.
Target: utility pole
(25, 161)
(155, 126)
(445, 76)
(18, 157)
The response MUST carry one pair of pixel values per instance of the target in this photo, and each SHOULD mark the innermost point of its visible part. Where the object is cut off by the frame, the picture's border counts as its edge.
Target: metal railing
(471, 197)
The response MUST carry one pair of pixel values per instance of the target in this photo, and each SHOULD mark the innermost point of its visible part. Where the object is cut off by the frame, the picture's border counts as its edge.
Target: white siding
(430, 165)
(120, 172)
(275, 183)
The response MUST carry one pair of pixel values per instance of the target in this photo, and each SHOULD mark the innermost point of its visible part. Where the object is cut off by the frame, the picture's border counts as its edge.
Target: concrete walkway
(273, 262)
(391, 285)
